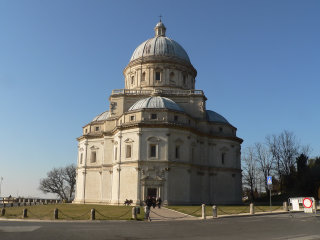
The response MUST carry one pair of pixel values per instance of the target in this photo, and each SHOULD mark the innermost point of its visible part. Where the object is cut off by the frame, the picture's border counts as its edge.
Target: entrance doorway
(152, 192)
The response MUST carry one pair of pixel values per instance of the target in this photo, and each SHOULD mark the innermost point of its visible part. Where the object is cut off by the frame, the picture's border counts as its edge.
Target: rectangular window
(128, 151)
(93, 157)
(153, 116)
(86, 130)
(153, 150)
(177, 152)
(176, 118)
(81, 157)
(222, 158)
(97, 129)
(132, 118)
(158, 75)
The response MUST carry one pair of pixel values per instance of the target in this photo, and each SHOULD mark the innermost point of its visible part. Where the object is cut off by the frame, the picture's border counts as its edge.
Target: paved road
(278, 227)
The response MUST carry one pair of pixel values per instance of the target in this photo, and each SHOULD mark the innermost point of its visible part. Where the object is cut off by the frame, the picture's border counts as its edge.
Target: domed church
(157, 138)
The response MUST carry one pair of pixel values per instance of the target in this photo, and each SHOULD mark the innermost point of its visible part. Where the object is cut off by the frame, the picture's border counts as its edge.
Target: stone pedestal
(203, 211)
(214, 211)
(251, 208)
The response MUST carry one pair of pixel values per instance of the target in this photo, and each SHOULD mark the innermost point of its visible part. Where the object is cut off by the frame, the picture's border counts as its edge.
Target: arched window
(143, 78)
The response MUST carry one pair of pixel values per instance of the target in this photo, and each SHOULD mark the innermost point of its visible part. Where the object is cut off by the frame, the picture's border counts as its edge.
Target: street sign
(269, 180)
(307, 203)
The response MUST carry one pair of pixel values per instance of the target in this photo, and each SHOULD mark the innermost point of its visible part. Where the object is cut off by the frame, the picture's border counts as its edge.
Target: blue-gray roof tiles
(156, 103)
(215, 117)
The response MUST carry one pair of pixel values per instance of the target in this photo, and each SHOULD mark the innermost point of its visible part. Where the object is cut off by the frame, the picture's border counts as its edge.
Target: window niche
(143, 77)
(93, 157)
(171, 77)
(128, 151)
(115, 151)
(153, 150)
(158, 75)
(153, 116)
(184, 80)
(223, 156)
(81, 158)
(128, 147)
(177, 152)
(153, 147)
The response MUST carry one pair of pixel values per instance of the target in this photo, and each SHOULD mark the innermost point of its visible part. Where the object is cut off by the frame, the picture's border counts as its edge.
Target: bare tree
(284, 149)
(60, 181)
(69, 176)
(250, 171)
(265, 161)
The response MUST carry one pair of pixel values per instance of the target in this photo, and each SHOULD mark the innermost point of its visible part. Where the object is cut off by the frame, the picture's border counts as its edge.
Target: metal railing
(159, 91)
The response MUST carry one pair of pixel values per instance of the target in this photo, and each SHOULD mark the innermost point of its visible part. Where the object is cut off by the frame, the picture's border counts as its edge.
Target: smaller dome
(160, 24)
(215, 117)
(101, 117)
(155, 102)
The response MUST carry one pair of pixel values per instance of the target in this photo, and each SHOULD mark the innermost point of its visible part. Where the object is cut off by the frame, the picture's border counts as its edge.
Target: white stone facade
(167, 145)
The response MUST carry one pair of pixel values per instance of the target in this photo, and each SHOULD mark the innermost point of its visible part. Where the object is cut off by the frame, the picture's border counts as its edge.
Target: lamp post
(1, 179)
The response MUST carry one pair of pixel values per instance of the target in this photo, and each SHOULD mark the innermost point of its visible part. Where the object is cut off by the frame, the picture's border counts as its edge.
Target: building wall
(187, 168)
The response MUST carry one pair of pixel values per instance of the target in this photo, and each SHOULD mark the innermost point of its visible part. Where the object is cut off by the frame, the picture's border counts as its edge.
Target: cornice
(174, 126)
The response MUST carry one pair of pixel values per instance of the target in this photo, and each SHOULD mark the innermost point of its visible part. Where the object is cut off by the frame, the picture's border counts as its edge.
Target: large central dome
(160, 45)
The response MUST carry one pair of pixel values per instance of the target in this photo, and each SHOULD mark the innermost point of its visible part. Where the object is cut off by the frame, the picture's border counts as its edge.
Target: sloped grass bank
(222, 210)
(72, 212)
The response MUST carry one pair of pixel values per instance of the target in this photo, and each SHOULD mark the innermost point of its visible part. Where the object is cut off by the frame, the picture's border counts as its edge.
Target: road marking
(18, 228)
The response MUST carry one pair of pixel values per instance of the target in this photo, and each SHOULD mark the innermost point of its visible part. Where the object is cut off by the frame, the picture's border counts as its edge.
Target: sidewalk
(165, 214)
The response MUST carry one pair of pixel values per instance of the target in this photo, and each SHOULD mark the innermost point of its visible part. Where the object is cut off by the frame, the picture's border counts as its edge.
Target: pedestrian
(159, 201)
(147, 208)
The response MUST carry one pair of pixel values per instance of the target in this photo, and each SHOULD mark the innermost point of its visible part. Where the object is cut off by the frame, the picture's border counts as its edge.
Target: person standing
(147, 208)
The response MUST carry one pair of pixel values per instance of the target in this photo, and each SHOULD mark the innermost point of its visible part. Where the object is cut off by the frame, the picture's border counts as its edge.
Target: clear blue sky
(257, 61)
